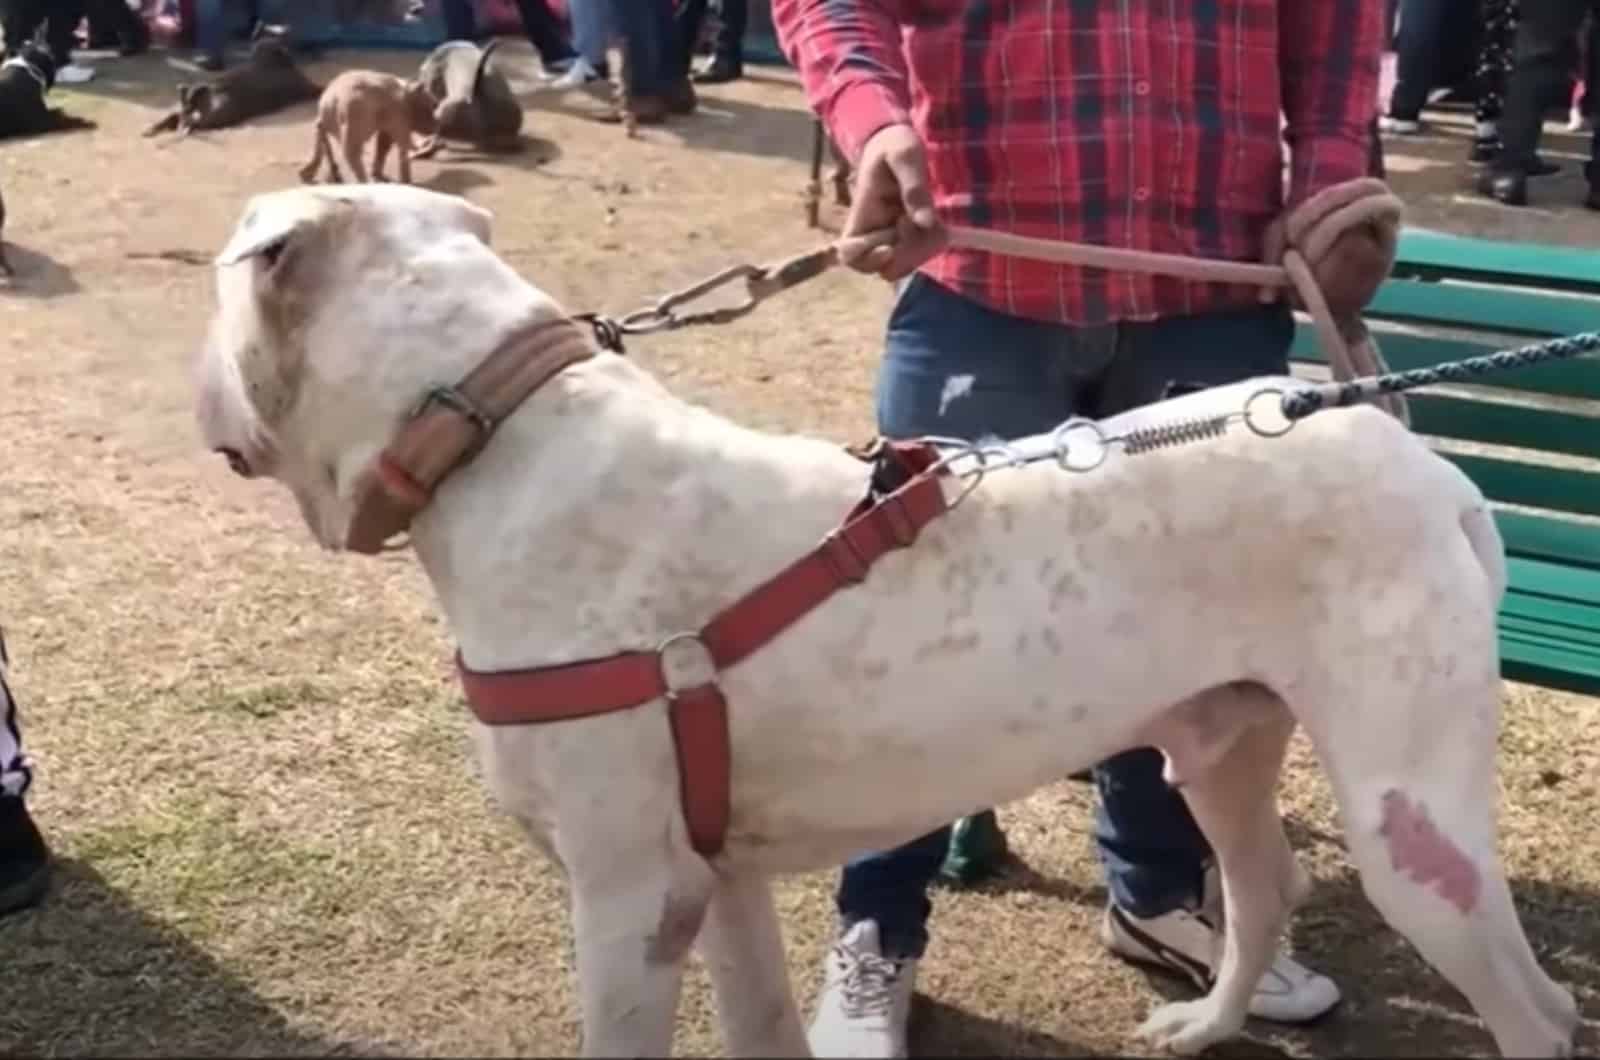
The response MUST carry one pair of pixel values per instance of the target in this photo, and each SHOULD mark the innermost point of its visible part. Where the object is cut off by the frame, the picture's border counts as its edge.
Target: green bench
(1448, 298)
(1452, 297)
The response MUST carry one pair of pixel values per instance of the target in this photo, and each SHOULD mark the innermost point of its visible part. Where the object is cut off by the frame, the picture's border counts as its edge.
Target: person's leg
(1155, 858)
(689, 19)
(24, 858)
(1417, 48)
(1019, 386)
(545, 34)
(591, 34)
(210, 32)
(1494, 63)
(1544, 30)
(20, 22)
(727, 50)
(460, 20)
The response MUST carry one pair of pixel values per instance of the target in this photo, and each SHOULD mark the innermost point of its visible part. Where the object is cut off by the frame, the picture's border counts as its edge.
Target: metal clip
(463, 406)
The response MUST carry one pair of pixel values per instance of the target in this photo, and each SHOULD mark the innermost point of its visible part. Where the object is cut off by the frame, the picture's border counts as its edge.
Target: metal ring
(709, 660)
(1250, 414)
(1063, 450)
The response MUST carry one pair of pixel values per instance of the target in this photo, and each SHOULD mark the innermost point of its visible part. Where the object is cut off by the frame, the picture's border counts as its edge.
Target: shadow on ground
(938, 1029)
(1395, 1004)
(120, 982)
(36, 275)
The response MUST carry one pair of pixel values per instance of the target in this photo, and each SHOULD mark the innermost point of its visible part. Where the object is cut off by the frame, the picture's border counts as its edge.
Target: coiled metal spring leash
(1082, 445)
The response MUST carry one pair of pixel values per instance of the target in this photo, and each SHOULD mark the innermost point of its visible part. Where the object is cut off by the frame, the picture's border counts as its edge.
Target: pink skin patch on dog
(1430, 858)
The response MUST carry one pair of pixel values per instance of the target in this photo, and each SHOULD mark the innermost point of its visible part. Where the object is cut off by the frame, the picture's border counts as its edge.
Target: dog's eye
(272, 252)
(237, 463)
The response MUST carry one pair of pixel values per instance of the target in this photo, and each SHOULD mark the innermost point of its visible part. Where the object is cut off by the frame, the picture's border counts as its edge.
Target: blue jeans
(591, 30)
(649, 35)
(213, 20)
(1028, 377)
(1417, 45)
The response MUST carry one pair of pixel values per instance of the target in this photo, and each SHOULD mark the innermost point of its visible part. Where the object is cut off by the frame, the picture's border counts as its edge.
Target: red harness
(696, 708)
(452, 424)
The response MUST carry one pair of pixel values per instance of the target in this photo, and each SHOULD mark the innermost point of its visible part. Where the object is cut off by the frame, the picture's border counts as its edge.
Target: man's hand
(892, 193)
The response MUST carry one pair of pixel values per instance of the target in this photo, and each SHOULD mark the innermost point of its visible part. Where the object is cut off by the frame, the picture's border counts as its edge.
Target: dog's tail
(483, 64)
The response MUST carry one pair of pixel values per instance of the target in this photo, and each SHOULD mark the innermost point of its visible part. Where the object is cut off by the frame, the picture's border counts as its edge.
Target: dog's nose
(236, 461)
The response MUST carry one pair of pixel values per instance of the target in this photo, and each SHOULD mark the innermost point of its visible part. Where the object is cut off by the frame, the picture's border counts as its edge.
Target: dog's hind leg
(1419, 814)
(743, 949)
(319, 151)
(380, 156)
(1224, 750)
(351, 145)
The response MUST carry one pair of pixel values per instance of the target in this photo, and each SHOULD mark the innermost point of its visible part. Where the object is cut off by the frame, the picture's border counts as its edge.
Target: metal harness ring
(1250, 414)
(1101, 444)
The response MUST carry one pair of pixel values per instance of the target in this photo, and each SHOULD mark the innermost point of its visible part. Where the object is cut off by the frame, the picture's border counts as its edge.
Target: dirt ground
(252, 756)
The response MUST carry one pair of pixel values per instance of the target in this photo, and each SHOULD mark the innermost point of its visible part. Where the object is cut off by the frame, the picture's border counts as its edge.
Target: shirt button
(1141, 194)
(1141, 88)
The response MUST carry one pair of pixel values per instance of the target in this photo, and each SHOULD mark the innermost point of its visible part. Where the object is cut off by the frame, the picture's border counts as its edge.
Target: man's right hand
(892, 193)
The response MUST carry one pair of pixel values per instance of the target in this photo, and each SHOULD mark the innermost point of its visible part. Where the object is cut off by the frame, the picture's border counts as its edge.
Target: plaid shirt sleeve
(1330, 52)
(849, 58)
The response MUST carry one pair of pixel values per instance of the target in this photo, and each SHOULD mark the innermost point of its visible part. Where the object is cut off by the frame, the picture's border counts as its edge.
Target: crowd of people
(1516, 61)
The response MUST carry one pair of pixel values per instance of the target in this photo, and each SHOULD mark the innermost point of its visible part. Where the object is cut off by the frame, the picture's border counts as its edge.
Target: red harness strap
(697, 710)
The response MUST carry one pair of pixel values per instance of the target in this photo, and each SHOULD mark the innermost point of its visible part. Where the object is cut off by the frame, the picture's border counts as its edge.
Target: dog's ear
(271, 227)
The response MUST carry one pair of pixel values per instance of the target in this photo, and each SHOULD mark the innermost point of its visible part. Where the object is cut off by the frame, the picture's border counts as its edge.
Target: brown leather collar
(452, 424)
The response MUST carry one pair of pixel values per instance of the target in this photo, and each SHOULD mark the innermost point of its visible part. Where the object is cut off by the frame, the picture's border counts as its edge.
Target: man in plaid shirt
(1150, 126)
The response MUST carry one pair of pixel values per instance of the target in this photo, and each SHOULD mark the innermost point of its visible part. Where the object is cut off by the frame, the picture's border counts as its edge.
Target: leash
(762, 282)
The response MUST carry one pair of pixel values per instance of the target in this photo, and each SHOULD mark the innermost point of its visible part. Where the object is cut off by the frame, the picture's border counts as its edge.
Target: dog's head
(37, 58)
(420, 107)
(337, 308)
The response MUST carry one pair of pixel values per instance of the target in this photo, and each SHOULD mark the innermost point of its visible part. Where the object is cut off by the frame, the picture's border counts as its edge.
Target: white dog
(1341, 577)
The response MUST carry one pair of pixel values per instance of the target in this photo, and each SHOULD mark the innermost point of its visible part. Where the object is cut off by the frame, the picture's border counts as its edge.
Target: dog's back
(25, 79)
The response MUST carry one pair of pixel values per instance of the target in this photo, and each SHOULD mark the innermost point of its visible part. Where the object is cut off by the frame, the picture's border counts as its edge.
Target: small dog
(270, 81)
(359, 105)
(25, 79)
(476, 104)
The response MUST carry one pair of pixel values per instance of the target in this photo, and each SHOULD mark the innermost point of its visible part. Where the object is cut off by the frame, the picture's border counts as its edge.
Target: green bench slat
(1540, 578)
(1500, 424)
(1539, 664)
(1578, 377)
(1557, 489)
(1441, 254)
(1486, 308)
(1571, 634)
(1542, 537)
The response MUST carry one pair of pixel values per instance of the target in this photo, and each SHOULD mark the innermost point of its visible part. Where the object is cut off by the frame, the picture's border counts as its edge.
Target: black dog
(24, 80)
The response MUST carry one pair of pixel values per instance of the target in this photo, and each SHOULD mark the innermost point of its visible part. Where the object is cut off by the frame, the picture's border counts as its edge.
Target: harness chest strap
(698, 712)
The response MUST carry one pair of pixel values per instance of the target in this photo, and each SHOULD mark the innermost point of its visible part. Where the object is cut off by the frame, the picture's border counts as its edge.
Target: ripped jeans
(955, 368)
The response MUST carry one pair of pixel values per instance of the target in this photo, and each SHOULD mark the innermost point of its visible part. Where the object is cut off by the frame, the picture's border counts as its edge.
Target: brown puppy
(359, 105)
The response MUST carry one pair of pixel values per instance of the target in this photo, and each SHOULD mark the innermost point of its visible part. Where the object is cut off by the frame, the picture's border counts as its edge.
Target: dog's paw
(1188, 1027)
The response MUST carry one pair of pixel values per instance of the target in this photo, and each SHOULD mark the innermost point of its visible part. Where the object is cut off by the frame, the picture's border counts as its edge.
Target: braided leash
(1300, 403)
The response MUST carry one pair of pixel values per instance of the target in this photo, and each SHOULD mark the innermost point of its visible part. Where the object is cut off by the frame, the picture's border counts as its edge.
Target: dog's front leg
(743, 949)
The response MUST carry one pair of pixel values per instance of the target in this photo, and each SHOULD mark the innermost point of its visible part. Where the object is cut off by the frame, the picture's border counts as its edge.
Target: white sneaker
(865, 998)
(74, 74)
(580, 73)
(1189, 944)
(1399, 126)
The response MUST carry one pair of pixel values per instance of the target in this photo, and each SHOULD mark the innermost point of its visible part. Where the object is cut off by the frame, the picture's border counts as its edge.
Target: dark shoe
(1508, 188)
(718, 71)
(24, 858)
(1542, 168)
(1485, 149)
(681, 98)
(209, 62)
(977, 850)
(1592, 201)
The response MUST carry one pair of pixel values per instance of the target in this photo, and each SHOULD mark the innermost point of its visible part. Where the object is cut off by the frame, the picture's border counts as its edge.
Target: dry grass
(252, 759)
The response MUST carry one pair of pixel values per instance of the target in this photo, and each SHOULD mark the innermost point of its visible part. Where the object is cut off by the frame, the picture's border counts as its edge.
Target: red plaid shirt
(1154, 126)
